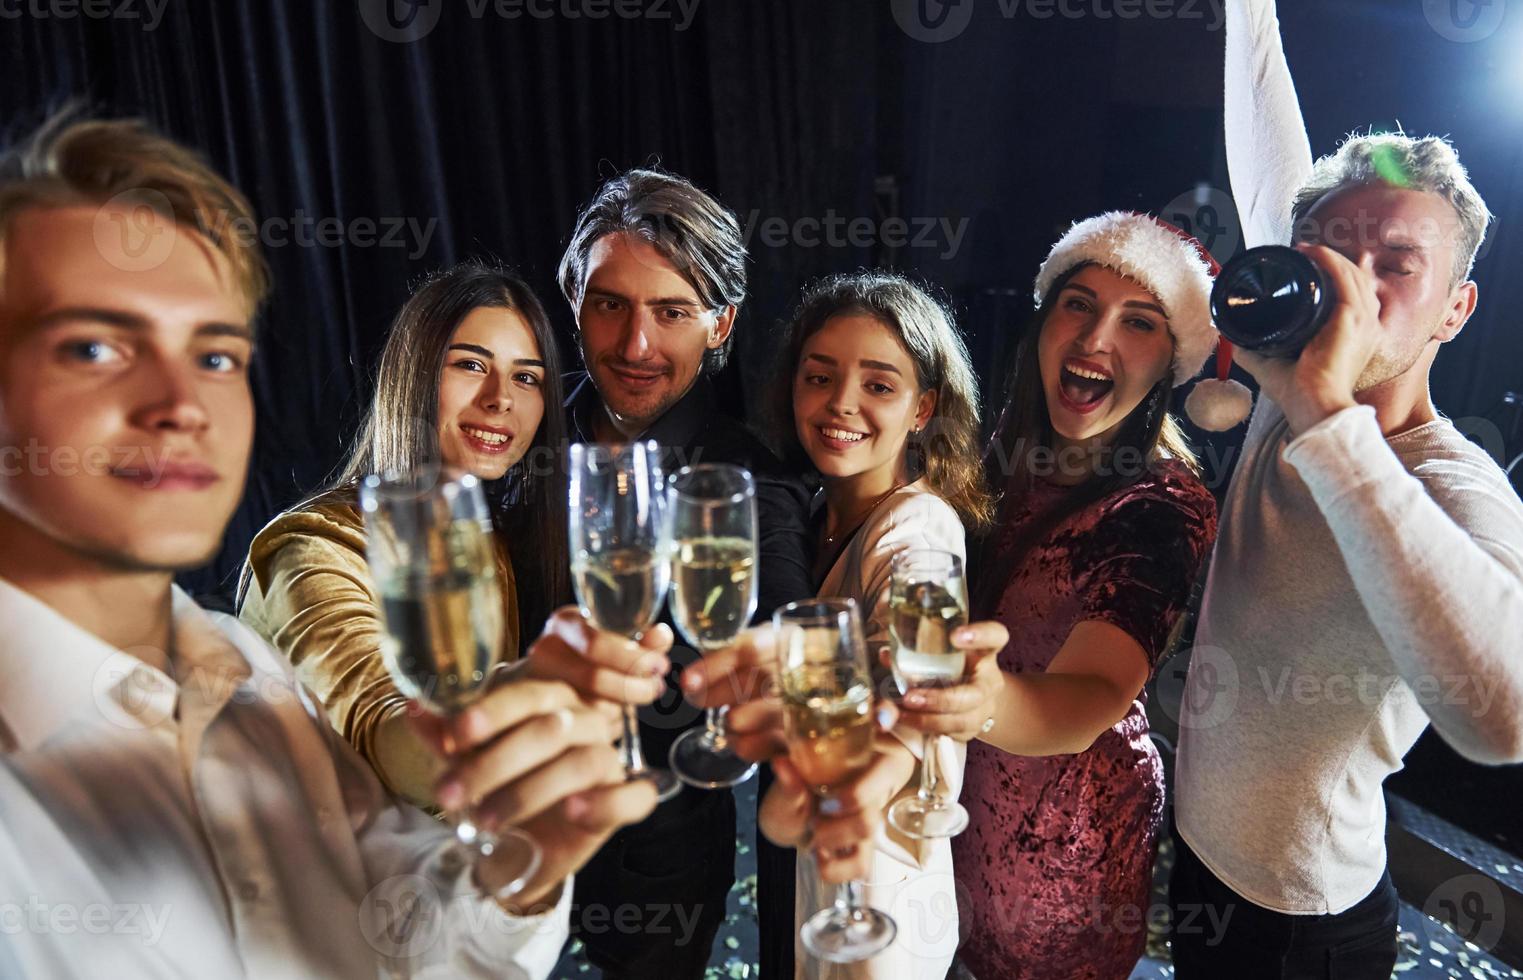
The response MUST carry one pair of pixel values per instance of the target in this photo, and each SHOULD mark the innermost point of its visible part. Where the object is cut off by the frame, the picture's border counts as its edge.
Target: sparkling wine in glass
(928, 601)
(621, 539)
(430, 547)
(714, 559)
(828, 723)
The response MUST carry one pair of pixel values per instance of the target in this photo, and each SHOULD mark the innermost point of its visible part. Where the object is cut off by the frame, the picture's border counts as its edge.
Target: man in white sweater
(1368, 576)
(172, 803)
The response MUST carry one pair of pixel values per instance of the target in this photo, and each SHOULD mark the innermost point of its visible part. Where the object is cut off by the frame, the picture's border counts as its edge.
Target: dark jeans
(1218, 933)
(649, 903)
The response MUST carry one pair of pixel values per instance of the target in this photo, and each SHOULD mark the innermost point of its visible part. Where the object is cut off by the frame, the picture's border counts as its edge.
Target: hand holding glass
(621, 536)
(430, 547)
(713, 598)
(928, 602)
(829, 726)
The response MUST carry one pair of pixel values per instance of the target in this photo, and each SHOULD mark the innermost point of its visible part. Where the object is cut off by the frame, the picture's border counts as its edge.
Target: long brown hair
(946, 453)
(401, 430)
(1149, 434)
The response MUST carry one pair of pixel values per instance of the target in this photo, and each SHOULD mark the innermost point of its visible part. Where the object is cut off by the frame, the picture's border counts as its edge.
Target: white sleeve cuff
(1342, 453)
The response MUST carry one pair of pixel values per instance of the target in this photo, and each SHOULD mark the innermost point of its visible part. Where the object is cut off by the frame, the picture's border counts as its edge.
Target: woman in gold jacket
(469, 378)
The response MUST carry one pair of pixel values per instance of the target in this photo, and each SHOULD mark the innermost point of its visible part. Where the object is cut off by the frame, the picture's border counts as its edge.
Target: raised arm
(1268, 154)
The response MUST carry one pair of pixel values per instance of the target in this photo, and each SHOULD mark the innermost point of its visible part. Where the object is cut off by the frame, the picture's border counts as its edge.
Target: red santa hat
(1173, 266)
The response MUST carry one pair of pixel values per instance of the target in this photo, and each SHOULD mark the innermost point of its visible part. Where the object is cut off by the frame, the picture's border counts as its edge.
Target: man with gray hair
(1368, 575)
(655, 273)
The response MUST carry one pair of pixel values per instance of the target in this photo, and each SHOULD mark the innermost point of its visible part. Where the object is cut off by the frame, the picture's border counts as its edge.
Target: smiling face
(1104, 346)
(491, 393)
(1406, 240)
(125, 412)
(644, 331)
(856, 398)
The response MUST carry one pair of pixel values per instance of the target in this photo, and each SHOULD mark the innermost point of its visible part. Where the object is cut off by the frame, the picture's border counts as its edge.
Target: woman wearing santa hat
(1103, 527)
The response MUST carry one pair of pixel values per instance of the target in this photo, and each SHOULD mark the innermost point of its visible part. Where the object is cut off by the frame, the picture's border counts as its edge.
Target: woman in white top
(878, 394)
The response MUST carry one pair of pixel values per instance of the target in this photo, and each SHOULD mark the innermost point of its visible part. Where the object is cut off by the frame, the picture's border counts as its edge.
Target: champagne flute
(431, 550)
(621, 536)
(828, 722)
(928, 601)
(713, 598)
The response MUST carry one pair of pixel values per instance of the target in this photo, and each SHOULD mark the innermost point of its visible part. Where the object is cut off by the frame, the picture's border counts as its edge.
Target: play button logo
(932, 21)
(401, 21)
(1465, 21)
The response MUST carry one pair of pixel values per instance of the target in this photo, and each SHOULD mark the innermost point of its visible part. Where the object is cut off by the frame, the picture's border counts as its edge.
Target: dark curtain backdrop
(486, 135)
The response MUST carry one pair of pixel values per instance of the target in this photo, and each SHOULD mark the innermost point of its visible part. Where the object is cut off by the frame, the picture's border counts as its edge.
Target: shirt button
(248, 891)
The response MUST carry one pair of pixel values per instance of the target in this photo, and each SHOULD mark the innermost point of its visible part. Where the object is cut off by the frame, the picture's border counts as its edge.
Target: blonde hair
(70, 161)
(1428, 163)
(949, 456)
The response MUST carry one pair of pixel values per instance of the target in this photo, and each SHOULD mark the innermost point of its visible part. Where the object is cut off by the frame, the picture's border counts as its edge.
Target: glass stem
(714, 722)
(849, 898)
(634, 759)
(930, 770)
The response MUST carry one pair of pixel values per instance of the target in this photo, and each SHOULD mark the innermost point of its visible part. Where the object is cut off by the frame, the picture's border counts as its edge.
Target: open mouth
(487, 440)
(838, 438)
(1083, 385)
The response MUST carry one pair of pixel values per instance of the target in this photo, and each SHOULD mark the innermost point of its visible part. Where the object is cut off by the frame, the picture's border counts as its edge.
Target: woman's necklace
(830, 539)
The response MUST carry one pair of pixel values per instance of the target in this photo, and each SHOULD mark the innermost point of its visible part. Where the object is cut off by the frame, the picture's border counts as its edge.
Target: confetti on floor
(1429, 950)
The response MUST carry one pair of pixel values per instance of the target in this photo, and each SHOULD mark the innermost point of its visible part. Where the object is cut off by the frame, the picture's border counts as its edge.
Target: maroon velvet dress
(1054, 869)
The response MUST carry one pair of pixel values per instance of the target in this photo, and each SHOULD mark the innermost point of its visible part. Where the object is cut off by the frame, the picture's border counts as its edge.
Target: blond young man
(172, 803)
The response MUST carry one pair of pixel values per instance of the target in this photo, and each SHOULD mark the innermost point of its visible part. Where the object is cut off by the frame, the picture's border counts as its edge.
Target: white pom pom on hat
(1176, 268)
(1218, 404)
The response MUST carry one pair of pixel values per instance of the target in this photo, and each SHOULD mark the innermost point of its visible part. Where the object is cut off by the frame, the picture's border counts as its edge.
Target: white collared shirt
(212, 824)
